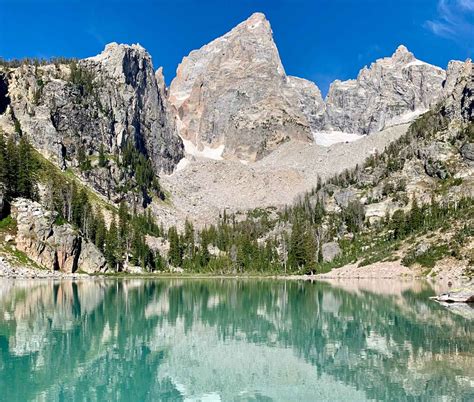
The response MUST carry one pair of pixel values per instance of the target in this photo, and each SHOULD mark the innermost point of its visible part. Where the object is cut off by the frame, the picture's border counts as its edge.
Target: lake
(229, 339)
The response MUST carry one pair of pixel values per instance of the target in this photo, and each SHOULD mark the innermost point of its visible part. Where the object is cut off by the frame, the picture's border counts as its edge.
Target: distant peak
(257, 17)
(402, 49)
(256, 20)
(403, 54)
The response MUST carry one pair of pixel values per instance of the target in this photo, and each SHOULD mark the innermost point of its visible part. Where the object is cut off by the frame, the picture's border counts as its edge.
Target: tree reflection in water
(228, 339)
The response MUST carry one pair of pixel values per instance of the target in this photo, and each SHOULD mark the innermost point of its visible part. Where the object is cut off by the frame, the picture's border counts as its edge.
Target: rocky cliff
(73, 111)
(391, 91)
(57, 247)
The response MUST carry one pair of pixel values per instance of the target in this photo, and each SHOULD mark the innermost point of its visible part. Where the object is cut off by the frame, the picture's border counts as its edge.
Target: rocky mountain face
(72, 111)
(233, 95)
(392, 90)
(233, 92)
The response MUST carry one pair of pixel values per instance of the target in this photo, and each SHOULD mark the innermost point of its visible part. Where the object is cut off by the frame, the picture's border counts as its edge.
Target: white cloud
(455, 21)
(467, 4)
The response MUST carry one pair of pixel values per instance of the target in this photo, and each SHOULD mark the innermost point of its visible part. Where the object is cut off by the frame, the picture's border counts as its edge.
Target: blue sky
(320, 40)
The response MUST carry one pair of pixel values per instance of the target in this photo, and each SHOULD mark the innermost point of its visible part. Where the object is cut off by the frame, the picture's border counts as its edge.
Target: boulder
(330, 251)
(344, 197)
(467, 151)
(465, 295)
(434, 158)
(91, 260)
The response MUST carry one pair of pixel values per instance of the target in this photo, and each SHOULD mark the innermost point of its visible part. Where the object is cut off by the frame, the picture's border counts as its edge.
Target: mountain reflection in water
(231, 340)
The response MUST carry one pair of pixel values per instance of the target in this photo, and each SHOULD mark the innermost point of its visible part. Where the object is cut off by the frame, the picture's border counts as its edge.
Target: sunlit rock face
(459, 88)
(391, 91)
(233, 92)
(58, 247)
(233, 99)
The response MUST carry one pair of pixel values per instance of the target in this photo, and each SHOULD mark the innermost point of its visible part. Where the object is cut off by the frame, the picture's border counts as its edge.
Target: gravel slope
(205, 187)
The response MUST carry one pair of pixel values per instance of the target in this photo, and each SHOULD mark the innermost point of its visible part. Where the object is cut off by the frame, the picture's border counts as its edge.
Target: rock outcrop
(57, 247)
(460, 91)
(330, 251)
(464, 295)
(233, 93)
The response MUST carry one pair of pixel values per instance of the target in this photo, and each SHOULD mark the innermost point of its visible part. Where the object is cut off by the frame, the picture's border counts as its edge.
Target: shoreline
(377, 271)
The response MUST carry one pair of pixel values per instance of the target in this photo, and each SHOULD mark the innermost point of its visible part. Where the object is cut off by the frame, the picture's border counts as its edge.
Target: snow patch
(405, 117)
(328, 138)
(207, 152)
(417, 62)
(182, 164)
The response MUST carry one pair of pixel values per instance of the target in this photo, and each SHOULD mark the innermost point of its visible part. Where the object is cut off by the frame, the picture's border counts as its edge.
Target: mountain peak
(403, 54)
(256, 20)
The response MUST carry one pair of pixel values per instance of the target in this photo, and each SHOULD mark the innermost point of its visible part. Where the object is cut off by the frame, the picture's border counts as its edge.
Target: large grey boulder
(344, 197)
(91, 260)
(434, 158)
(464, 295)
(56, 247)
(330, 251)
(467, 151)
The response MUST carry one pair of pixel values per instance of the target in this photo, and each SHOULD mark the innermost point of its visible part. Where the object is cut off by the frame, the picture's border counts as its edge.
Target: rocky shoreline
(21, 272)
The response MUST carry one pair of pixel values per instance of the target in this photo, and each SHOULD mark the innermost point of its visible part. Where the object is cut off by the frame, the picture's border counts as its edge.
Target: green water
(229, 339)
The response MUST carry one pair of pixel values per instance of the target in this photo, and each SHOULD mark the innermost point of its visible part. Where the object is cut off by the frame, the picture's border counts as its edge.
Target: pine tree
(297, 252)
(102, 156)
(12, 169)
(3, 161)
(100, 232)
(111, 246)
(189, 239)
(123, 226)
(175, 254)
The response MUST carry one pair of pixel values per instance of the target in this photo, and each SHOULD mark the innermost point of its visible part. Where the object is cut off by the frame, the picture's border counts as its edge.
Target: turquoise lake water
(227, 340)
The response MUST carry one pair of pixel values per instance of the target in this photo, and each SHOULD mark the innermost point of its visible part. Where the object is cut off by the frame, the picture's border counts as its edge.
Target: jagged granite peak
(456, 71)
(144, 114)
(459, 88)
(232, 94)
(114, 99)
(391, 91)
(160, 81)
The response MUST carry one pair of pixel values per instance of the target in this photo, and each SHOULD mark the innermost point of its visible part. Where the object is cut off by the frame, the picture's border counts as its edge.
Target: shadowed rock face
(4, 98)
(113, 100)
(137, 103)
(234, 92)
